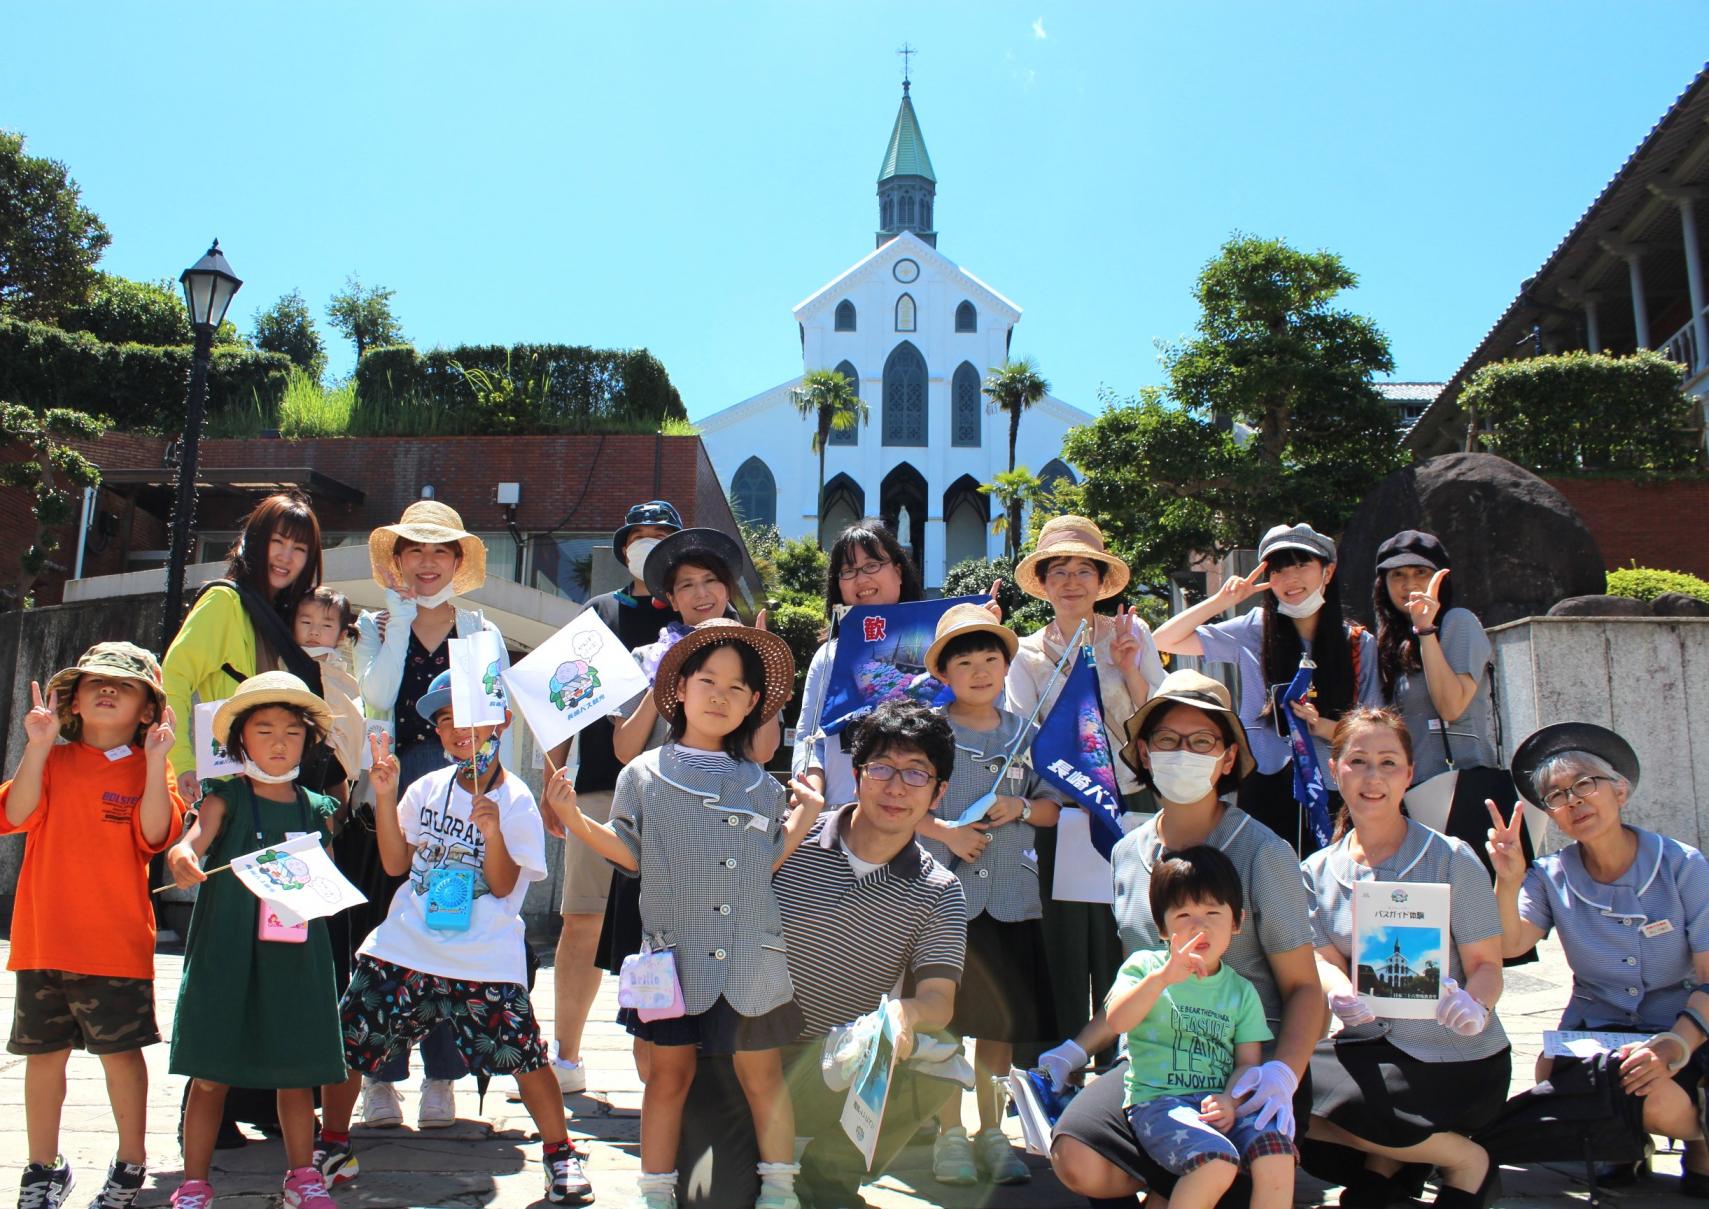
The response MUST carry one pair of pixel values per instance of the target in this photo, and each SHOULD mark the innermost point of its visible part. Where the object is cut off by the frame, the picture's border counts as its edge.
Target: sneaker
(659, 1200)
(572, 1076)
(382, 1107)
(952, 1157)
(335, 1162)
(438, 1105)
(45, 1187)
(566, 1182)
(998, 1160)
(124, 1182)
(776, 1198)
(193, 1194)
(304, 1189)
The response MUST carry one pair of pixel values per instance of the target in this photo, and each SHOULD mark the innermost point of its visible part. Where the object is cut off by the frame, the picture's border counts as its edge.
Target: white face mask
(437, 599)
(635, 556)
(253, 771)
(1305, 608)
(1183, 776)
(318, 652)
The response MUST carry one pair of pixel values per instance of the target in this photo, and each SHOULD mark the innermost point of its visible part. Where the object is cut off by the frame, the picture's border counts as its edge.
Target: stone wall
(1647, 678)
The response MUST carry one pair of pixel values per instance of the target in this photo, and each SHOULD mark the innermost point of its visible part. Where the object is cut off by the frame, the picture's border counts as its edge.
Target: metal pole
(184, 501)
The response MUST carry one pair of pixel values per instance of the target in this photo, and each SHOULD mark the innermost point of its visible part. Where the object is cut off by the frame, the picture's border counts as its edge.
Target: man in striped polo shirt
(865, 909)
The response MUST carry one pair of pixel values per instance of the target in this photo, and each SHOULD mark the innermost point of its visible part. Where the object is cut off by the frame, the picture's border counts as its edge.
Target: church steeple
(906, 183)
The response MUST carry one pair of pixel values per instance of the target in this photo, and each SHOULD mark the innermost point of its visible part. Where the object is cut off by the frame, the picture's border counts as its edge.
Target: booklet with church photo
(1400, 946)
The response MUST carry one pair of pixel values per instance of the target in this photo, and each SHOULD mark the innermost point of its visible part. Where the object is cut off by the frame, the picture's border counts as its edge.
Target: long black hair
(869, 538)
(735, 743)
(1332, 650)
(288, 514)
(1397, 649)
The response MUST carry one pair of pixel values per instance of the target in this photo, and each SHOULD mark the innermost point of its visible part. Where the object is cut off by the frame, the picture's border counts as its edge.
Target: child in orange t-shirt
(93, 809)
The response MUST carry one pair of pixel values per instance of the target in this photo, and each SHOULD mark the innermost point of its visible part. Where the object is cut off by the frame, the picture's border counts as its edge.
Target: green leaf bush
(1647, 583)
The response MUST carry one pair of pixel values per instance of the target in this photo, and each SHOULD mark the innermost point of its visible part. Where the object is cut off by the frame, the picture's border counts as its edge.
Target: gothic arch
(904, 405)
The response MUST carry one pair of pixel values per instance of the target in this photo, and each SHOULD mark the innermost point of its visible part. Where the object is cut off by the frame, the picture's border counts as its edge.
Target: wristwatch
(1026, 810)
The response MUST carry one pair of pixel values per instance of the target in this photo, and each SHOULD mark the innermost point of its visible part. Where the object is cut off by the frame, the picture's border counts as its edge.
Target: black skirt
(1382, 1094)
(620, 934)
(720, 1029)
(1269, 798)
(1005, 992)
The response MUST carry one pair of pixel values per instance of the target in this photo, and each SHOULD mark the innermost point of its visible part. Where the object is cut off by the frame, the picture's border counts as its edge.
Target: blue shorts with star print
(1169, 1130)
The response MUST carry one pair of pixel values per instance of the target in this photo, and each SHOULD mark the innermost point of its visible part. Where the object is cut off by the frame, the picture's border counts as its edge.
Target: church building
(918, 333)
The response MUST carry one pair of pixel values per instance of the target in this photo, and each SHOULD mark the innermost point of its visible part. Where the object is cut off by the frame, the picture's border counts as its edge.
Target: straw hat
(1072, 537)
(1198, 690)
(431, 523)
(114, 660)
(1540, 745)
(968, 619)
(270, 688)
(772, 650)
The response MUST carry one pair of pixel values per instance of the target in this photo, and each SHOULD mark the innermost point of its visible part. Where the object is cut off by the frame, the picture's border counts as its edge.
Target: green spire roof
(906, 155)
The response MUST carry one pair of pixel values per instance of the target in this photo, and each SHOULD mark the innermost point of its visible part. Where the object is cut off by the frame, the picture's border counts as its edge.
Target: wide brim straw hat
(773, 652)
(689, 545)
(967, 619)
(1072, 537)
(115, 661)
(1540, 745)
(430, 523)
(270, 688)
(1187, 687)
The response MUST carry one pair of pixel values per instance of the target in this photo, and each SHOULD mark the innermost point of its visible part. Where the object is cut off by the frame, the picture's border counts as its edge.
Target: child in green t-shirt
(1193, 1027)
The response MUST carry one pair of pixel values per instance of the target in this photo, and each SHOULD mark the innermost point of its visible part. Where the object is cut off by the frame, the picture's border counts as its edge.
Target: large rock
(1678, 604)
(1517, 545)
(1600, 606)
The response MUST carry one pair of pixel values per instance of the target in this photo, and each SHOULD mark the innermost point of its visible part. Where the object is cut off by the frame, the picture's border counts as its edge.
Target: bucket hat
(773, 652)
(1187, 687)
(1072, 537)
(270, 688)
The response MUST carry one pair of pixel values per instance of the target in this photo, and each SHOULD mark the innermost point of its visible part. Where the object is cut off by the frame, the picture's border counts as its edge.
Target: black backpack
(1580, 1113)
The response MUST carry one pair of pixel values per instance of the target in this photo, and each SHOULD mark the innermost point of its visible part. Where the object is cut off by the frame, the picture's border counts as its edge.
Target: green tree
(287, 327)
(52, 471)
(1013, 387)
(1013, 490)
(801, 568)
(49, 240)
(1269, 415)
(121, 311)
(363, 315)
(833, 403)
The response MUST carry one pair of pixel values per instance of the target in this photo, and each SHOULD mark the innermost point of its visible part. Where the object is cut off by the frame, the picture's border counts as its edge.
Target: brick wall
(1657, 524)
(569, 484)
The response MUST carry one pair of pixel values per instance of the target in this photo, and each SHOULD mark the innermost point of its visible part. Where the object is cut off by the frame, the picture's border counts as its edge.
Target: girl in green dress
(258, 1006)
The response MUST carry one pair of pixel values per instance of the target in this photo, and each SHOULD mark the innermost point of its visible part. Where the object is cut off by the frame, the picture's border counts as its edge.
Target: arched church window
(966, 318)
(753, 493)
(847, 436)
(904, 404)
(905, 313)
(845, 316)
(965, 406)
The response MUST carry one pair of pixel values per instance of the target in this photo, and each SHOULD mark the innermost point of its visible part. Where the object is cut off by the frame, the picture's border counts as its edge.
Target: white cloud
(1038, 29)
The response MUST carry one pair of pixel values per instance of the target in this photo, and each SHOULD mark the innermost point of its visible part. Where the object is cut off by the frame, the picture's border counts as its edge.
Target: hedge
(546, 387)
(1586, 411)
(1647, 583)
(141, 388)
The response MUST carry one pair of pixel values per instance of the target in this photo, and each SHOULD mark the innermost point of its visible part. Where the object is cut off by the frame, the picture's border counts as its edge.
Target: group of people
(906, 861)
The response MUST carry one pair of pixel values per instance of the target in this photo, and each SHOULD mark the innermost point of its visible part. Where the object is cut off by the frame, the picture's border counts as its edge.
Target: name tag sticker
(1660, 927)
(118, 753)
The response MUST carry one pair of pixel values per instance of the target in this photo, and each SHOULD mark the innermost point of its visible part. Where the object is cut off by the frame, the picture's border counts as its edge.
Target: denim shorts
(1169, 1130)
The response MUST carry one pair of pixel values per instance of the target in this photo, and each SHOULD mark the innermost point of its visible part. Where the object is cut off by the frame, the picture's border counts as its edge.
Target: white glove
(1458, 1011)
(1272, 1085)
(1350, 1008)
(1061, 1062)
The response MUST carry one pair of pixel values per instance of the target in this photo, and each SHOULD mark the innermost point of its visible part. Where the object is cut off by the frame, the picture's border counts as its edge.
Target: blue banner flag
(1309, 790)
(881, 656)
(1072, 752)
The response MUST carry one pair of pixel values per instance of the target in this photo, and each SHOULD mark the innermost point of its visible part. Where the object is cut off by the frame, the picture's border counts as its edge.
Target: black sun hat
(1540, 745)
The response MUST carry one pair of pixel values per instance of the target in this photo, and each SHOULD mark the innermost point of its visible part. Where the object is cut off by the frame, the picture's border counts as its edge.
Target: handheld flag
(477, 698)
(881, 656)
(581, 673)
(296, 880)
(1072, 752)
(212, 759)
(1309, 790)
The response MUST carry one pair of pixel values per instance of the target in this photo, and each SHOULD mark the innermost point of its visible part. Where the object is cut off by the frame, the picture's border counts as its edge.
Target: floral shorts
(386, 1009)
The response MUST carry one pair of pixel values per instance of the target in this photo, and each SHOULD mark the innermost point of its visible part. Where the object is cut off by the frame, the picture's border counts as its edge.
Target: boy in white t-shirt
(451, 947)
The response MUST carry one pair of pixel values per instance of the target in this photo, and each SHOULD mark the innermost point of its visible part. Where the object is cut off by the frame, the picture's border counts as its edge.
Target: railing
(1682, 347)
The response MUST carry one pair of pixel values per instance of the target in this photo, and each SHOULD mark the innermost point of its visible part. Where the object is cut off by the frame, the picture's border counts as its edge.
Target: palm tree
(834, 403)
(1013, 490)
(1013, 387)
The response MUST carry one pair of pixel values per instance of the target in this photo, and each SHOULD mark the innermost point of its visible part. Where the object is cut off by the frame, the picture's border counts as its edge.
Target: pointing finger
(1435, 589)
(36, 695)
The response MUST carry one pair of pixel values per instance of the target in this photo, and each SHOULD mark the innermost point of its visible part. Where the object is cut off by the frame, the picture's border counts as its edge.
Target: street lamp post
(209, 285)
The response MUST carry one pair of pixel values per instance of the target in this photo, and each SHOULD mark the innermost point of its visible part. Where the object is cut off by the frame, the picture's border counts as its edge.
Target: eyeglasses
(913, 778)
(867, 569)
(1200, 742)
(1580, 790)
(1065, 575)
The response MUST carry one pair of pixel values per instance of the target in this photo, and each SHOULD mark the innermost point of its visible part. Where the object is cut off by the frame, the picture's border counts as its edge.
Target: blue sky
(677, 176)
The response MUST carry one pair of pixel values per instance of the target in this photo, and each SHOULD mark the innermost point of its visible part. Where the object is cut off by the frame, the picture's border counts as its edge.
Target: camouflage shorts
(56, 1011)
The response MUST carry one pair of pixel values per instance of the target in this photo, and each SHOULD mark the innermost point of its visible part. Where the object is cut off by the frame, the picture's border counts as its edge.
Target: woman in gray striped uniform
(704, 827)
(1405, 1091)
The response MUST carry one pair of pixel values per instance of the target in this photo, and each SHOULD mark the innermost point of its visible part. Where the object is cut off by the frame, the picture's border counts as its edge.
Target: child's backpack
(1580, 1114)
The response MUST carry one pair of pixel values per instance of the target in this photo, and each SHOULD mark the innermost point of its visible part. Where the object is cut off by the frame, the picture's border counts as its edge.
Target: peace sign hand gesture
(1239, 588)
(1125, 649)
(1505, 846)
(384, 773)
(161, 736)
(1184, 961)
(1423, 607)
(41, 724)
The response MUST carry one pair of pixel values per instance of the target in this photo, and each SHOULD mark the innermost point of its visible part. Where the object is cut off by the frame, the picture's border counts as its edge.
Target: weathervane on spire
(906, 52)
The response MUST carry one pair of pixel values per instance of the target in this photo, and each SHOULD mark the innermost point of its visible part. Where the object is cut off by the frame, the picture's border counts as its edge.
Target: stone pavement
(491, 1156)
